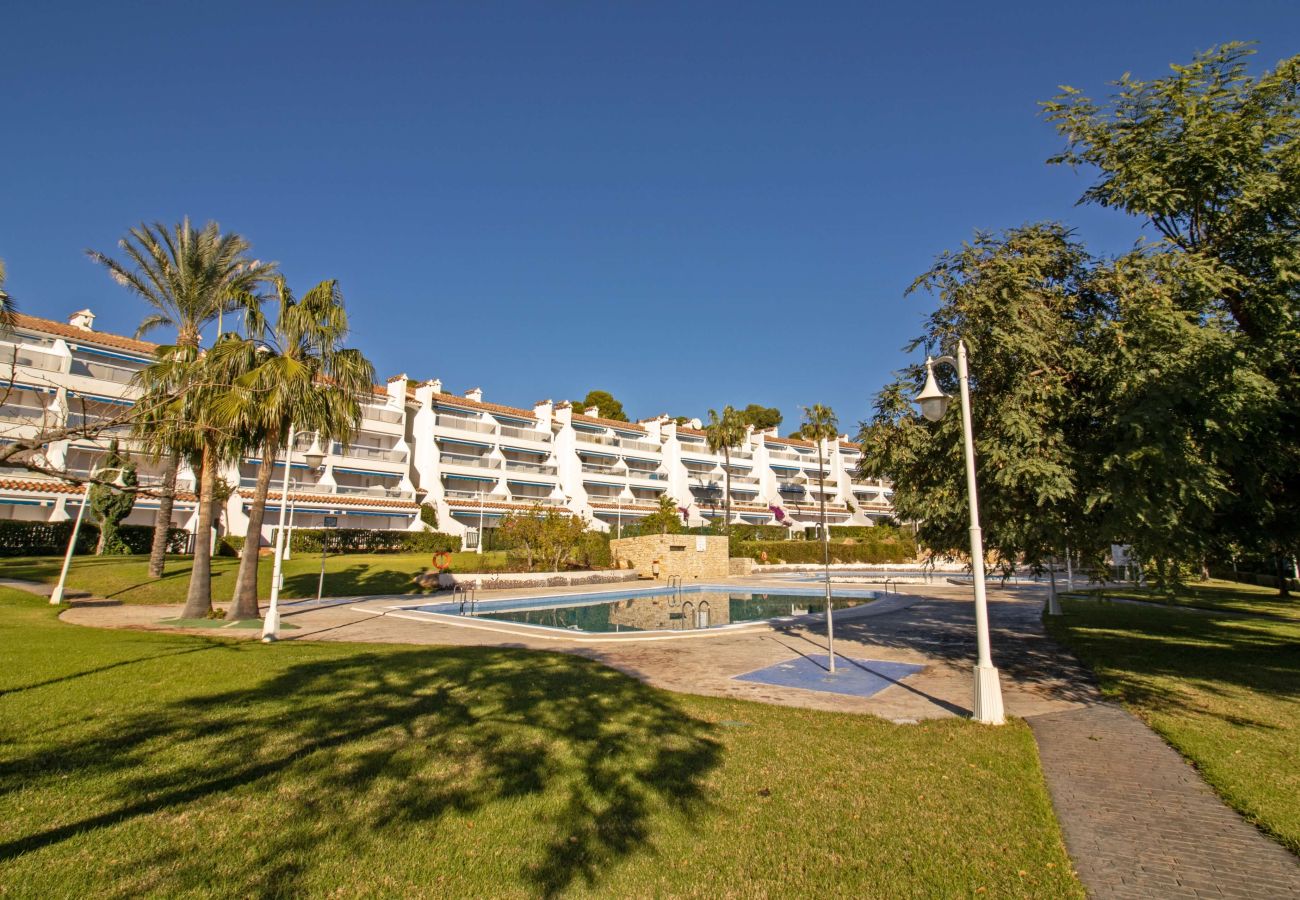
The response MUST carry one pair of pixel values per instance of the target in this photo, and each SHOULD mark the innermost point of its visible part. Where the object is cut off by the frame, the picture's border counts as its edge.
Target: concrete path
(1139, 821)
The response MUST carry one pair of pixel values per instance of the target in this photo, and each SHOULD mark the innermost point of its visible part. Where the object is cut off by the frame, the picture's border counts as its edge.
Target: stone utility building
(471, 460)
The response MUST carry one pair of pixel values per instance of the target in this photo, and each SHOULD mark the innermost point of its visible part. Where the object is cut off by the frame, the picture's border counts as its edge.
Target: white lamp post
(934, 403)
(271, 624)
(56, 596)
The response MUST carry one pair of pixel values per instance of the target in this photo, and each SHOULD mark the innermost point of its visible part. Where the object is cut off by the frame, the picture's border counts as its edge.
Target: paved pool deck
(931, 626)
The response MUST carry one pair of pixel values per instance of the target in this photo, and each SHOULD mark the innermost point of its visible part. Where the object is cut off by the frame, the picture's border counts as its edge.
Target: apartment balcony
(528, 500)
(12, 355)
(600, 439)
(517, 465)
(646, 446)
(461, 423)
(384, 414)
(380, 454)
(469, 460)
(743, 479)
(646, 475)
(525, 434)
(600, 469)
(784, 456)
(17, 413)
(102, 371)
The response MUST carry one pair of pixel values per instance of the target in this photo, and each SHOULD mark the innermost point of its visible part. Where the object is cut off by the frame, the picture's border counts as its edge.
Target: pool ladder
(888, 583)
(675, 587)
(467, 596)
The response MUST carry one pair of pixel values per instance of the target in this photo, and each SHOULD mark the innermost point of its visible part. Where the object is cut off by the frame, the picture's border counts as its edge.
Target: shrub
(372, 540)
(51, 538)
(139, 538)
(877, 533)
(811, 551)
(229, 545)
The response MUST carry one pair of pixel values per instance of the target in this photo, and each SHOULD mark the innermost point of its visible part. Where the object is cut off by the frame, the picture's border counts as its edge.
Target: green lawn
(136, 762)
(126, 578)
(1223, 690)
(1215, 595)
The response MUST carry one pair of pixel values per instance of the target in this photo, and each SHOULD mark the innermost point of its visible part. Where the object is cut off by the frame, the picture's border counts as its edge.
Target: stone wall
(693, 557)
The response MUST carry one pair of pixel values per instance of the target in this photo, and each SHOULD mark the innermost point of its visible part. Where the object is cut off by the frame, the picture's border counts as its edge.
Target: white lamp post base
(271, 626)
(1053, 604)
(988, 696)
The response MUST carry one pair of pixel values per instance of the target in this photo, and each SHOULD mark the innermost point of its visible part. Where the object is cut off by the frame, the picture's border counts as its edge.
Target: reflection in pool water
(673, 612)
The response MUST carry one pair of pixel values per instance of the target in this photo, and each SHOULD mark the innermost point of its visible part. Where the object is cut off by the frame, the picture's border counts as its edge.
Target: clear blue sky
(688, 204)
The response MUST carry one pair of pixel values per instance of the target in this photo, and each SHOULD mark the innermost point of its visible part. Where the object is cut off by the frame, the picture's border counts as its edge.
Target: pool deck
(927, 625)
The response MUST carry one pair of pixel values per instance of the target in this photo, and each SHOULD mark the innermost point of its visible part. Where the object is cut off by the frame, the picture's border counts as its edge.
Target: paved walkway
(1139, 821)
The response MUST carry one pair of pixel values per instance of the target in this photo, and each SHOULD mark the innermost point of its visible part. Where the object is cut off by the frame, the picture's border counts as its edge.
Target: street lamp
(56, 596)
(271, 624)
(934, 403)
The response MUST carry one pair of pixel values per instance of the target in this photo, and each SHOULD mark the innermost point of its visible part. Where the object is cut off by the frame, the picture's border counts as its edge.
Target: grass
(1223, 690)
(181, 765)
(1213, 595)
(126, 578)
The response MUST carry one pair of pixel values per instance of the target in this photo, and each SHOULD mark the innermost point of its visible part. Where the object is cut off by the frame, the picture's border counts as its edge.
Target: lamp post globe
(932, 400)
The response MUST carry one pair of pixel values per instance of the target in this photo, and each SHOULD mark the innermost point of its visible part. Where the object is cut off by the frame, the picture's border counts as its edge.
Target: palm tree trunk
(198, 602)
(243, 605)
(726, 500)
(163, 520)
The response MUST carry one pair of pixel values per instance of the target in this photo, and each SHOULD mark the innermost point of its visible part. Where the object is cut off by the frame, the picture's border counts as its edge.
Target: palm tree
(724, 432)
(820, 425)
(189, 277)
(295, 376)
(181, 390)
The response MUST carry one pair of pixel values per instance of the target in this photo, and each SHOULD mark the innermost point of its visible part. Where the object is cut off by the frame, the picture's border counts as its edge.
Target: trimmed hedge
(51, 538)
(811, 552)
(372, 540)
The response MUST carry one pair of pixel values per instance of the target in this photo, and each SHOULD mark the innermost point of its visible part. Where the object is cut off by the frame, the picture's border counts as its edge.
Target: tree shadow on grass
(1162, 659)
(353, 581)
(350, 753)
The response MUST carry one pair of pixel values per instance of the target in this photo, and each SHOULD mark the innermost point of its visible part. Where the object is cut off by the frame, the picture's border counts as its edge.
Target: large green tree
(1024, 306)
(292, 373)
(1209, 157)
(761, 417)
(189, 277)
(606, 406)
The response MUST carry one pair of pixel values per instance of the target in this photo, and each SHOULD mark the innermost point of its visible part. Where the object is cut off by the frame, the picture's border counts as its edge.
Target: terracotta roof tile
(612, 423)
(81, 336)
(682, 429)
(497, 504)
(793, 442)
(341, 500)
(636, 504)
(466, 403)
(51, 486)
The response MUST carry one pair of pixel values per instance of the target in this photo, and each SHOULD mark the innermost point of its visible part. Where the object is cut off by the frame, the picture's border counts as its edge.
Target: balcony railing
(540, 501)
(517, 465)
(743, 479)
(601, 469)
(525, 434)
(460, 423)
(588, 438)
(32, 359)
(384, 414)
(381, 453)
(630, 444)
(375, 490)
(465, 459)
(101, 371)
(13, 412)
(782, 454)
(646, 474)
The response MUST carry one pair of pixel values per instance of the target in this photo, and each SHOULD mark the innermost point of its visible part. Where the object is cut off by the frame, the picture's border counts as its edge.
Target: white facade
(470, 460)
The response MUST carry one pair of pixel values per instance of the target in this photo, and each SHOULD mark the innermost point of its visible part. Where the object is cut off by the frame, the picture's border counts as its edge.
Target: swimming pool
(693, 608)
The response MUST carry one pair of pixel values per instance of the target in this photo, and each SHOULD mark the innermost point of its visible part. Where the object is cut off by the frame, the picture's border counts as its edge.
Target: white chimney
(435, 384)
(593, 411)
(85, 320)
(475, 394)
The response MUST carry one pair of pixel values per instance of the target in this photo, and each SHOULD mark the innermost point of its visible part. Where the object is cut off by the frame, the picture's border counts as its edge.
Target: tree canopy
(606, 406)
(1149, 398)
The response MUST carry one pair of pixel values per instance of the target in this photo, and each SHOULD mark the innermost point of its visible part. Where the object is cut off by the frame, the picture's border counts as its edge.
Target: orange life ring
(442, 560)
(762, 556)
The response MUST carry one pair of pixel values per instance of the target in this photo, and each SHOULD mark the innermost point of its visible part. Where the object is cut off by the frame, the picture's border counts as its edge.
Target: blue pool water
(654, 609)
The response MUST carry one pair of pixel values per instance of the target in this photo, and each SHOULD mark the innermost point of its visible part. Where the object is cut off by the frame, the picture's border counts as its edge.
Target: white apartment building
(471, 460)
